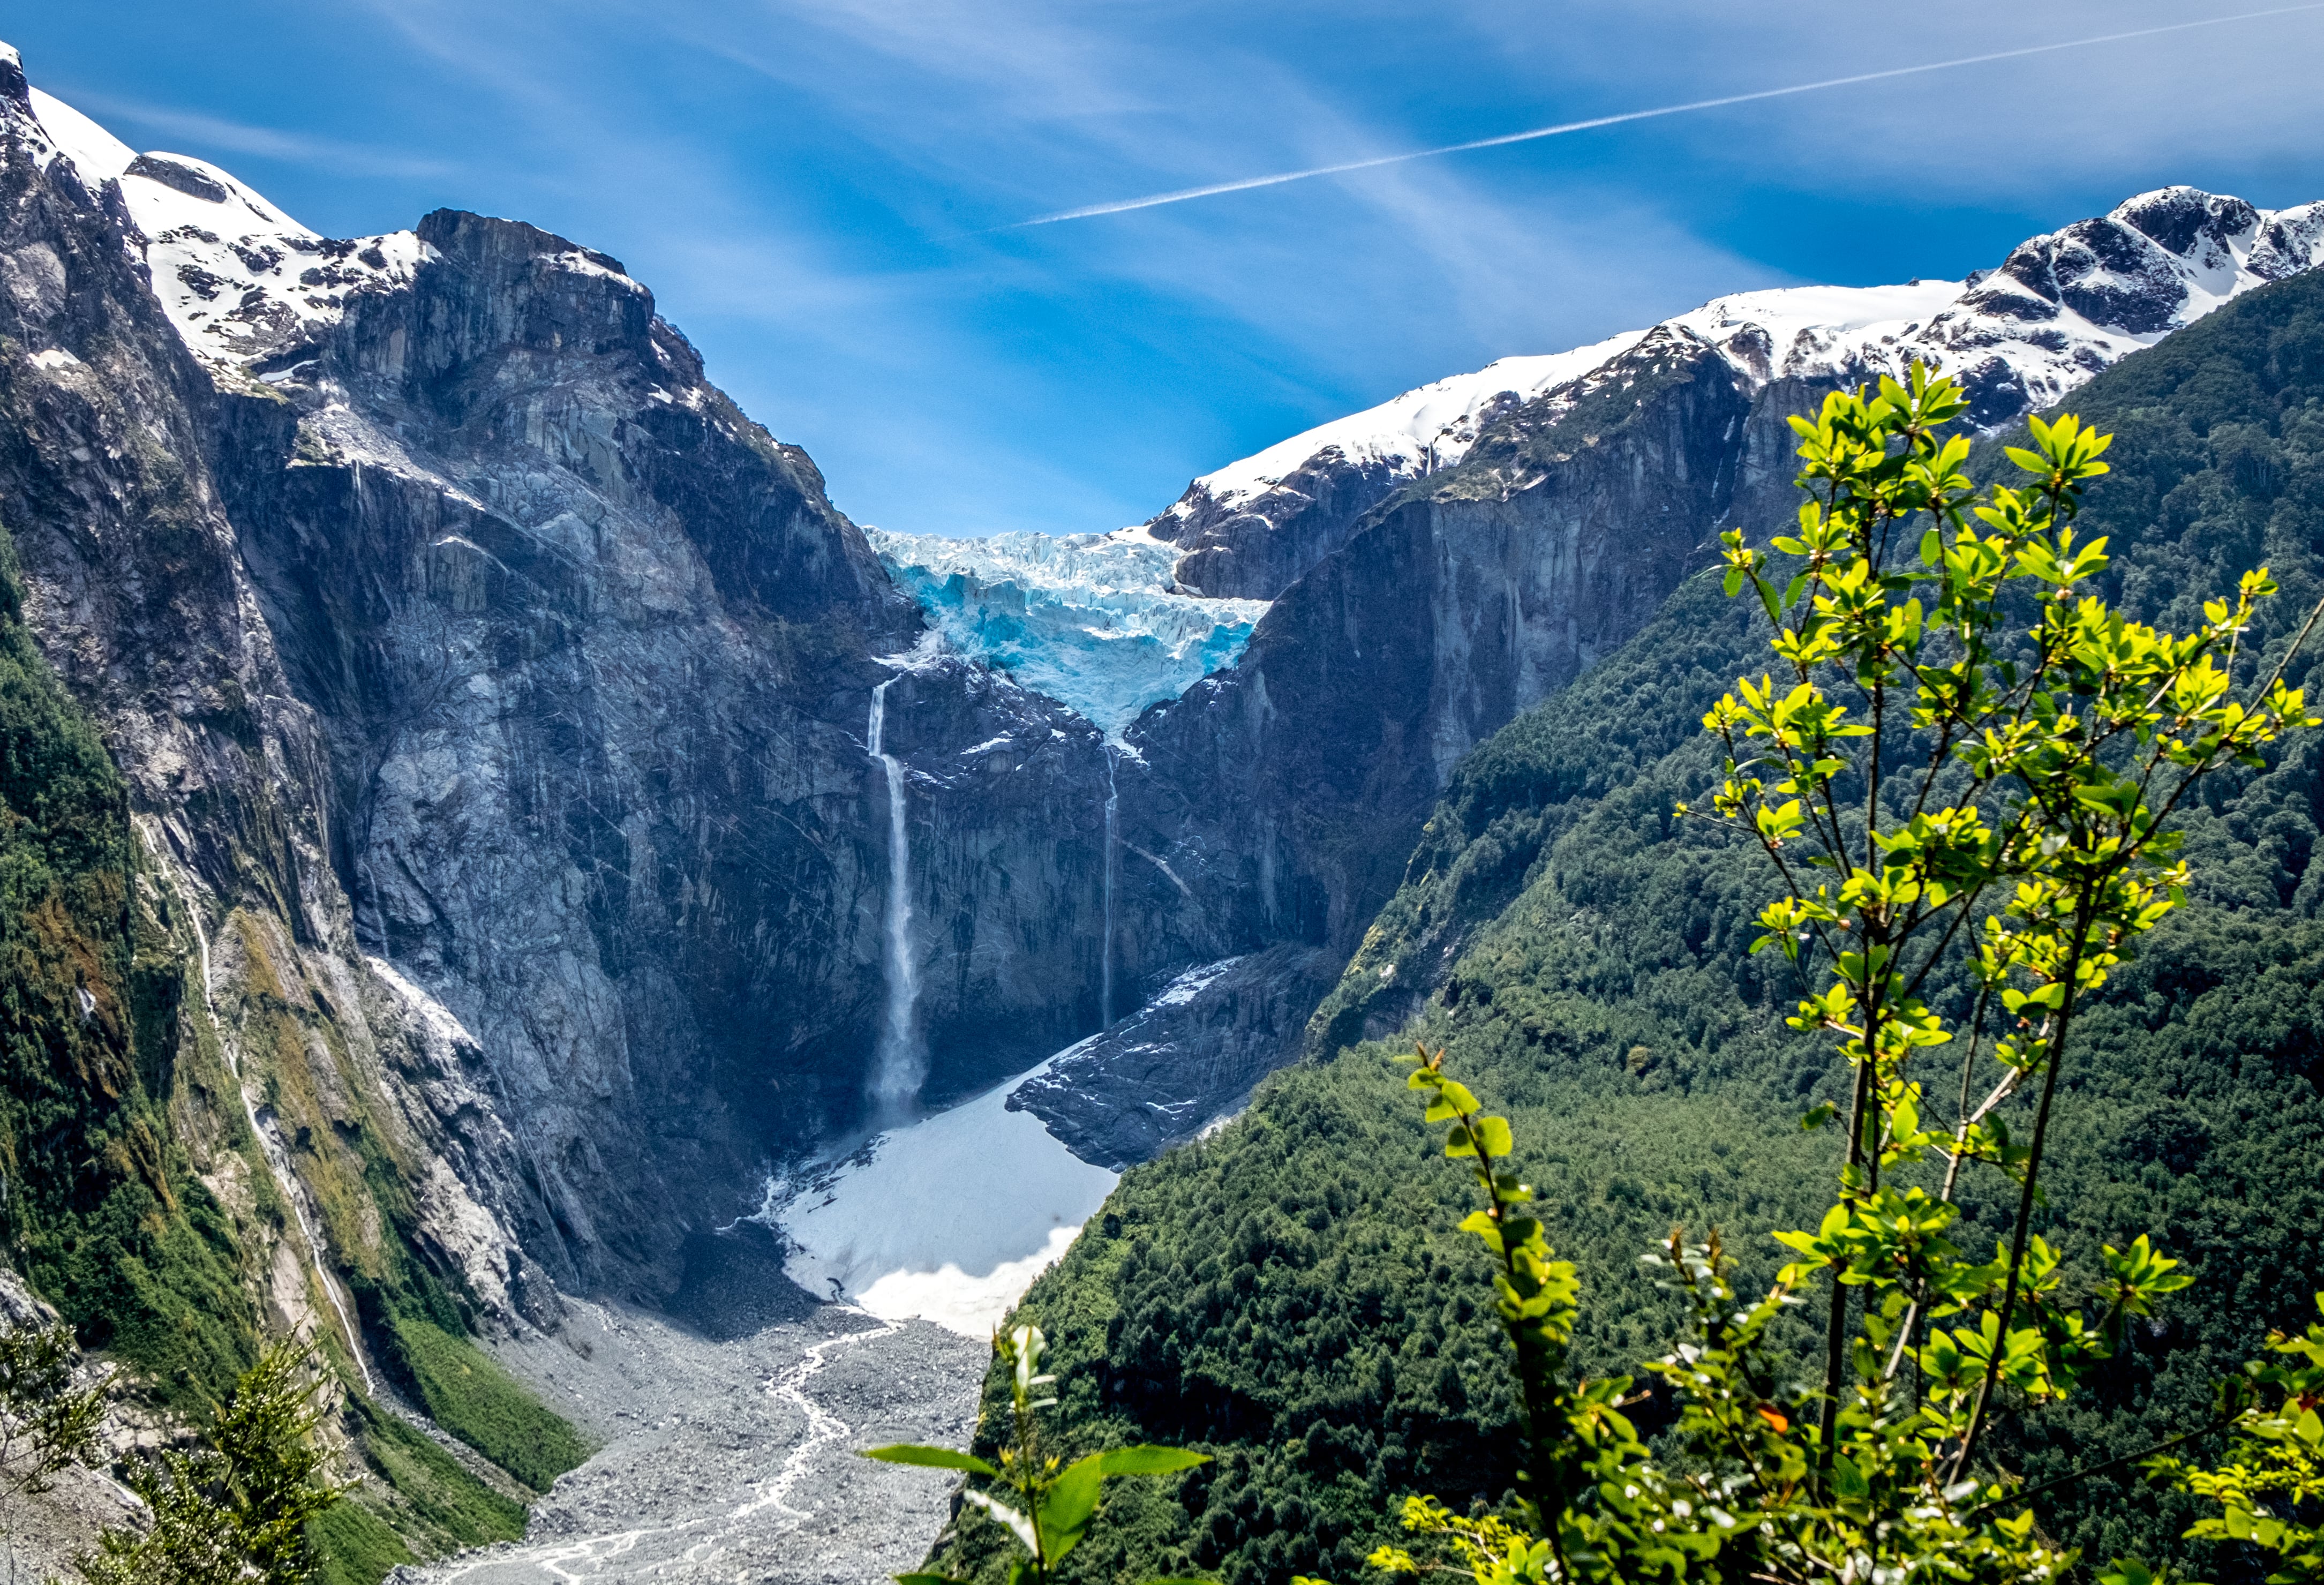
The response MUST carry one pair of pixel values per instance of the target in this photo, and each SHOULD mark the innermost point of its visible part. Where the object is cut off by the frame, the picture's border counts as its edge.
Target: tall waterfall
(1105, 973)
(899, 1065)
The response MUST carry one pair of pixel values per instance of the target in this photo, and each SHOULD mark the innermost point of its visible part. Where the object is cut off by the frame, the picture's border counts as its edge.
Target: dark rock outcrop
(1293, 784)
(1184, 1060)
(1254, 549)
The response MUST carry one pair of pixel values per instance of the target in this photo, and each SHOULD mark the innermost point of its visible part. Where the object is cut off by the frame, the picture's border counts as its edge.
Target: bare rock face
(137, 592)
(1255, 548)
(1453, 606)
(495, 696)
(592, 656)
(1185, 1061)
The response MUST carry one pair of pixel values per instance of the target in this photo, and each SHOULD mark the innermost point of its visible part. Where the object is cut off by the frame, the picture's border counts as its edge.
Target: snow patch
(970, 1306)
(1862, 313)
(949, 1219)
(1187, 986)
(96, 154)
(2016, 335)
(1415, 433)
(1093, 620)
(239, 279)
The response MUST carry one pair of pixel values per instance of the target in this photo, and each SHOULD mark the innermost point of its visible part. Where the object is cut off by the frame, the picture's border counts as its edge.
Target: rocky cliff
(497, 693)
(2061, 306)
(1440, 563)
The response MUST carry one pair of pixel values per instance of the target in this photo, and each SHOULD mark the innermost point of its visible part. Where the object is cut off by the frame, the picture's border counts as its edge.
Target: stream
(855, 1309)
(730, 1450)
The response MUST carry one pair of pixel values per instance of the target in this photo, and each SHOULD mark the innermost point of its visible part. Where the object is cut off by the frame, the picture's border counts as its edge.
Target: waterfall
(1105, 971)
(899, 1065)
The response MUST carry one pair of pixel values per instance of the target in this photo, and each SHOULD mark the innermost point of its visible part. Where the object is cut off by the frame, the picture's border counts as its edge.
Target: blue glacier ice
(1090, 620)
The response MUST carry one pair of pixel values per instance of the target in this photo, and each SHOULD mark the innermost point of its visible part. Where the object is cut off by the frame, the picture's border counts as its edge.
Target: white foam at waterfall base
(948, 1219)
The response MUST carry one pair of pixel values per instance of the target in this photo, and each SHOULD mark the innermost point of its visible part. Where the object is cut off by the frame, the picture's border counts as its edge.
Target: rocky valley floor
(729, 1439)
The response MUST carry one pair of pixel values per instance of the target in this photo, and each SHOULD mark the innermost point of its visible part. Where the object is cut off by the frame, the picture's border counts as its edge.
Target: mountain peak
(2058, 309)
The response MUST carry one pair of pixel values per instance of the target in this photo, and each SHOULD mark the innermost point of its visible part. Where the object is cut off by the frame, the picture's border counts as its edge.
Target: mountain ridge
(2060, 307)
(1291, 1296)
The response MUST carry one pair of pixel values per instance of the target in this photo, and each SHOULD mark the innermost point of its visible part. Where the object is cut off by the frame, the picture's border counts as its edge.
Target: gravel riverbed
(729, 1433)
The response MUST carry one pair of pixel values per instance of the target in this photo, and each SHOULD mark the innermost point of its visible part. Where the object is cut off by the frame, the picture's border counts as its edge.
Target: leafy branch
(1054, 1502)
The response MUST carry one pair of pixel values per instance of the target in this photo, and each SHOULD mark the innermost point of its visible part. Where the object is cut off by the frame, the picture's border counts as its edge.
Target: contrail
(1245, 185)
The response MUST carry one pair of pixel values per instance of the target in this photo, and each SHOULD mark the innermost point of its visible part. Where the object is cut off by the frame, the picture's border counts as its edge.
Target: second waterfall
(1105, 971)
(900, 1063)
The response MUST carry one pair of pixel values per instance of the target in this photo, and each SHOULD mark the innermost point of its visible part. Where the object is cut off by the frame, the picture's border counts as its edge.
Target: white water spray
(270, 1143)
(1105, 973)
(899, 1065)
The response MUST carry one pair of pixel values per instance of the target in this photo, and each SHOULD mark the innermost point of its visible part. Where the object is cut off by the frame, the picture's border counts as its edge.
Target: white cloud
(216, 132)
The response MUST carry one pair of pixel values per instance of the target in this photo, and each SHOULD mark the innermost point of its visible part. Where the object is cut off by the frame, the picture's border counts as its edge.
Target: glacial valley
(573, 903)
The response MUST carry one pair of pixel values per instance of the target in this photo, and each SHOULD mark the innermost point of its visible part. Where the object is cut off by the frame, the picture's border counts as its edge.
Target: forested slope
(1290, 1294)
(103, 1213)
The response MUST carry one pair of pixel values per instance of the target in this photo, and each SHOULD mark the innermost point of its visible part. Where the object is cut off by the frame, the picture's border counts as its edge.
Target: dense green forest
(1291, 1295)
(106, 1097)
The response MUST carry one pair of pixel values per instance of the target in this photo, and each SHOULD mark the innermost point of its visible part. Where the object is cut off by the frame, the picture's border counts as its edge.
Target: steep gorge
(495, 704)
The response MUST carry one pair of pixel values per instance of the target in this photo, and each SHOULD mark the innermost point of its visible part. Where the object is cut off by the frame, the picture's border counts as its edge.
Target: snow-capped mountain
(1094, 621)
(554, 669)
(2059, 309)
(238, 278)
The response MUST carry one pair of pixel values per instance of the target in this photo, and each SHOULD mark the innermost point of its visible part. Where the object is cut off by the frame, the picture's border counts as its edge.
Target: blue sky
(819, 193)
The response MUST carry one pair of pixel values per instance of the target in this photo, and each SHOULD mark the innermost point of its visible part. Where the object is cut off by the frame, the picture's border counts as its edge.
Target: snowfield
(2059, 309)
(949, 1219)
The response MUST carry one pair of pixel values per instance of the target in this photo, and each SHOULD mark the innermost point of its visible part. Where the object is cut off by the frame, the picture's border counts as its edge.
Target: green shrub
(353, 1546)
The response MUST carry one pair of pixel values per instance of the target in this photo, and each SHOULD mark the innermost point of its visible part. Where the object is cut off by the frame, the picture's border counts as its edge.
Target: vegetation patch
(471, 1396)
(102, 1213)
(1289, 1296)
(353, 1546)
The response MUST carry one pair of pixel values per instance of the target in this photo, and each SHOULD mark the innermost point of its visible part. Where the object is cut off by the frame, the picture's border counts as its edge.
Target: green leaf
(926, 1580)
(930, 1457)
(1069, 1506)
(1848, 1481)
(1148, 1460)
(1493, 1134)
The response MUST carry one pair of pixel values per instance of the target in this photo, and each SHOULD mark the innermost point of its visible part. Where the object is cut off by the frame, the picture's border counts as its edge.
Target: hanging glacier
(1094, 621)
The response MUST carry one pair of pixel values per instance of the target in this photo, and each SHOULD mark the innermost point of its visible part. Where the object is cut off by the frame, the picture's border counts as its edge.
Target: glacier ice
(1094, 621)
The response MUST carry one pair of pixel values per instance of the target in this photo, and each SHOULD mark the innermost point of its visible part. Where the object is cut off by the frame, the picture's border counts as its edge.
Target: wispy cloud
(266, 142)
(820, 190)
(1591, 123)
